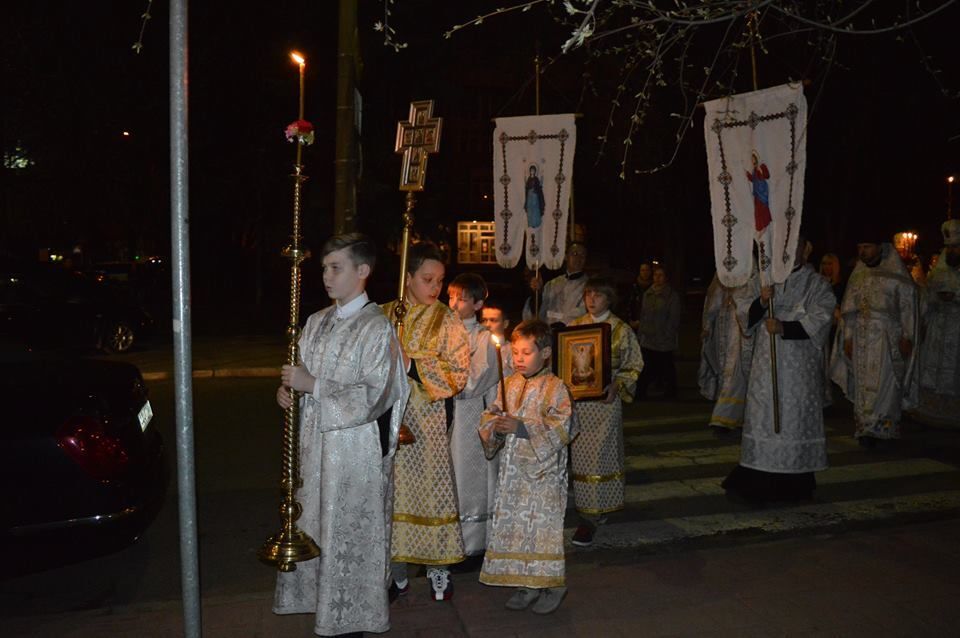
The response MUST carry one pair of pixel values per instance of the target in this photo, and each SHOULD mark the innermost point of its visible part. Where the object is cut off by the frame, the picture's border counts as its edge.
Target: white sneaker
(441, 585)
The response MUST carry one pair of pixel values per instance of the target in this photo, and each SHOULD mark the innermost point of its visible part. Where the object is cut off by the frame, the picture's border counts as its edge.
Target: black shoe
(583, 537)
(469, 564)
(396, 592)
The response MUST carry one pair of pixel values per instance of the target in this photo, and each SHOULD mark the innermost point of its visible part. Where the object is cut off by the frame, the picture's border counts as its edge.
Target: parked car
(82, 466)
(52, 307)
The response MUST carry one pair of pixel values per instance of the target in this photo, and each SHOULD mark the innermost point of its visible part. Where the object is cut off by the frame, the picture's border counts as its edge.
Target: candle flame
(496, 340)
(299, 59)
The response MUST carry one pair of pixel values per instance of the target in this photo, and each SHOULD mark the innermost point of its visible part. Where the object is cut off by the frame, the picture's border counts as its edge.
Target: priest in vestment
(726, 352)
(351, 375)
(940, 349)
(875, 364)
(563, 295)
(426, 516)
(476, 477)
(780, 465)
(597, 454)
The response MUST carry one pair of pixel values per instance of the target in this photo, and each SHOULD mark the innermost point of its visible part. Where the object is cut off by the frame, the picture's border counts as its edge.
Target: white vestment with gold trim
(525, 548)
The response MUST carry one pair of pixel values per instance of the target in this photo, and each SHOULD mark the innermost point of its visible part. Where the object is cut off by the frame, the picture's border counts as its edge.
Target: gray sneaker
(550, 599)
(522, 598)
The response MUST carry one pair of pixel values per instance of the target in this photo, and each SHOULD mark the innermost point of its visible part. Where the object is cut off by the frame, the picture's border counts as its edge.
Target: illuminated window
(475, 242)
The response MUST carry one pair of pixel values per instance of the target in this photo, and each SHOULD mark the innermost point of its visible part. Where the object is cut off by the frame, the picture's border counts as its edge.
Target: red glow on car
(98, 453)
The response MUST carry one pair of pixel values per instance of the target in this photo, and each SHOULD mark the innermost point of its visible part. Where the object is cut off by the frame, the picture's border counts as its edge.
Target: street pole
(345, 190)
(182, 357)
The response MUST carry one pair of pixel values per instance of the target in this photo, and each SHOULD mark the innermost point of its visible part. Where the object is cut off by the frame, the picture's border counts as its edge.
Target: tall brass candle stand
(291, 545)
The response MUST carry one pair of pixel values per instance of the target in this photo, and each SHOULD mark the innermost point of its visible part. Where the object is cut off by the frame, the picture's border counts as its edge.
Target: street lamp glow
(299, 59)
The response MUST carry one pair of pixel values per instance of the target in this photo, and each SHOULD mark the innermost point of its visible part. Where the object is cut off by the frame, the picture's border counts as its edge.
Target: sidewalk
(893, 582)
(256, 356)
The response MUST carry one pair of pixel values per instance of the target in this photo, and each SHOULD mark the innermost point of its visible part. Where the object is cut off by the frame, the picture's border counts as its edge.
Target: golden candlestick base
(286, 549)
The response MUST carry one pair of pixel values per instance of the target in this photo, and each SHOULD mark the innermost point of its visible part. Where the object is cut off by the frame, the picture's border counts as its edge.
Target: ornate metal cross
(416, 139)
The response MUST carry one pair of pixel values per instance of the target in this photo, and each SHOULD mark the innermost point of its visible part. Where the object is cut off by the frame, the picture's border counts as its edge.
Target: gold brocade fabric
(525, 546)
(597, 454)
(426, 522)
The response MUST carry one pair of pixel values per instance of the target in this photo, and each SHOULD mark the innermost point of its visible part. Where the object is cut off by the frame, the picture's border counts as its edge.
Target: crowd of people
(889, 343)
(498, 438)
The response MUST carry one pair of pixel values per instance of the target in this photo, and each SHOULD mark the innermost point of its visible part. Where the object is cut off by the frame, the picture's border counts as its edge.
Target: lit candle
(299, 59)
(503, 385)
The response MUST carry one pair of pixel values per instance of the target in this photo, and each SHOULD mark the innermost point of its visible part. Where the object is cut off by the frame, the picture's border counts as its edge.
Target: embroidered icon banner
(756, 159)
(532, 175)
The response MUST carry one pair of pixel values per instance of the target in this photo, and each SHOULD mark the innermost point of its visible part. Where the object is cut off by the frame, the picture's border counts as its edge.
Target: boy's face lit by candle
(528, 359)
(494, 320)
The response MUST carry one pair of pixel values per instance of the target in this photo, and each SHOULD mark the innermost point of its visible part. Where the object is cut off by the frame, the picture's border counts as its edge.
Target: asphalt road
(237, 442)
(674, 501)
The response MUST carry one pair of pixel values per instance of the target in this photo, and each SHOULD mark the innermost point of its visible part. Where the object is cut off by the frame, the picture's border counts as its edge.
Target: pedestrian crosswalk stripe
(690, 488)
(669, 458)
(817, 516)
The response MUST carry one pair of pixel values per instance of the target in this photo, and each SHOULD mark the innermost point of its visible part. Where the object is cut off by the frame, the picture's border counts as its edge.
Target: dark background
(879, 144)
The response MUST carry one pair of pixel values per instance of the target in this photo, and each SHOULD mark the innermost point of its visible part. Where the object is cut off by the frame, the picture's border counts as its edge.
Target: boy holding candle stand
(476, 478)
(531, 424)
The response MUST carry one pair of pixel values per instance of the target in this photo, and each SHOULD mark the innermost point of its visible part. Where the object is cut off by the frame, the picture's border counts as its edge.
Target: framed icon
(582, 359)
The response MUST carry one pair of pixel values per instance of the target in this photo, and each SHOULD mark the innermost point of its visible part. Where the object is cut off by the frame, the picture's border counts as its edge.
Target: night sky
(879, 144)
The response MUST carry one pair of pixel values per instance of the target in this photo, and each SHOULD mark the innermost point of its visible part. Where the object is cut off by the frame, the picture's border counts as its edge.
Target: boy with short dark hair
(426, 521)
(476, 478)
(351, 374)
(533, 425)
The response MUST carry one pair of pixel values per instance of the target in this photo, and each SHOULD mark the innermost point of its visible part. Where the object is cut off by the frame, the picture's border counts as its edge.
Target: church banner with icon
(532, 176)
(756, 159)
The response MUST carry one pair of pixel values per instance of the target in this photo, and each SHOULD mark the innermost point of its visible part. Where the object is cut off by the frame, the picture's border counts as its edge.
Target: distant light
(299, 59)
(126, 133)
(56, 257)
(486, 197)
(950, 179)
(17, 159)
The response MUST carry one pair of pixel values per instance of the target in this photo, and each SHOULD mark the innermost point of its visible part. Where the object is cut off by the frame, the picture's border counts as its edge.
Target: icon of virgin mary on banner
(532, 173)
(756, 159)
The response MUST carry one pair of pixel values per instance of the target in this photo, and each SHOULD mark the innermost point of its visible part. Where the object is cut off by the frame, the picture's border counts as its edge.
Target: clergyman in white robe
(879, 309)
(940, 348)
(780, 465)
(347, 469)
(727, 351)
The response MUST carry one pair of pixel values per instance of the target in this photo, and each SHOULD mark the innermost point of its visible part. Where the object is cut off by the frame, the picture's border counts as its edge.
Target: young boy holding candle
(476, 478)
(531, 427)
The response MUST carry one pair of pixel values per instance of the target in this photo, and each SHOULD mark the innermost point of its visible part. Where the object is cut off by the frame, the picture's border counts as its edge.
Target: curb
(220, 373)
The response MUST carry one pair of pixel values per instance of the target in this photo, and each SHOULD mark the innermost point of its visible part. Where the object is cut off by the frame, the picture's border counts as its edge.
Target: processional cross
(417, 138)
